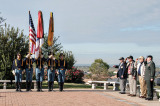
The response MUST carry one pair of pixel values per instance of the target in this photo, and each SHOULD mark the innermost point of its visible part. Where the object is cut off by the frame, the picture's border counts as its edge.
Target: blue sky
(91, 29)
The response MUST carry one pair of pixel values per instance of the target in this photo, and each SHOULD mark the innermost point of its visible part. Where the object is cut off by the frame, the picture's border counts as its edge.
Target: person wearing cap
(17, 68)
(39, 71)
(52, 62)
(149, 76)
(132, 74)
(28, 64)
(141, 74)
(122, 75)
(62, 66)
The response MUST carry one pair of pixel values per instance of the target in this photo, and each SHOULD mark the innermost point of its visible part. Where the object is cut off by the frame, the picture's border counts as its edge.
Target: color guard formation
(54, 65)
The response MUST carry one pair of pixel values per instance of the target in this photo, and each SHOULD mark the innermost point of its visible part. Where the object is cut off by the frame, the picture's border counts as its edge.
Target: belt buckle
(51, 68)
(39, 68)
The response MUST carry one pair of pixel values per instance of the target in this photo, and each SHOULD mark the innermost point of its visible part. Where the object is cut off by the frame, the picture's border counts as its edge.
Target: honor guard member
(17, 71)
(28, 62)
(52, 62)
(122, 74)
(149, 76)
(39, 71)
(62, 66)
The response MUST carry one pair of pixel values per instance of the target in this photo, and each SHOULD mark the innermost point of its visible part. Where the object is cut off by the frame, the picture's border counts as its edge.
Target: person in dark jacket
(17, 68)
(52, 62)
(149, 76)
(122, 75)
(62, 67)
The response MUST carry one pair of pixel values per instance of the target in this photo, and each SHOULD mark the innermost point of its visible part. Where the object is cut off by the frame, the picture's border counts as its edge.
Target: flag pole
(40, 56)
(29, 49)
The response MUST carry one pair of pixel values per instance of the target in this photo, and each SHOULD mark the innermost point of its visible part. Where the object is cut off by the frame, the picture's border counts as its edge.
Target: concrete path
(70, 97)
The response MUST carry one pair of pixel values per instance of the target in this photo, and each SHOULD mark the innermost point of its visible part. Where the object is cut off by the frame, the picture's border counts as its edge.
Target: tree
(99, 70)
(11, 41)
(56, 47)
(1, 20)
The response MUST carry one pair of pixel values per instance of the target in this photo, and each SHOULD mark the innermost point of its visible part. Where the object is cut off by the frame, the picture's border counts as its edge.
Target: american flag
(32, 35)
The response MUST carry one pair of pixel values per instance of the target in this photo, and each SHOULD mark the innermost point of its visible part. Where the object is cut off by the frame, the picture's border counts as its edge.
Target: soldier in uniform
(39, 71)
(17, 68)
(52, 62)
(62, 66)
(122, 75)
(132, 74)
(28, 62)
(149, 76)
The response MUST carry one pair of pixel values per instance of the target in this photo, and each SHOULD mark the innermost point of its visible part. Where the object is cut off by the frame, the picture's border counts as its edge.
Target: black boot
(49, 86)
(30, 86)
(52, 83)
(38, 86)
(27, 86)
(62, 86)
(59, 86)
(41, 86)
(17, 86)
(20, 84)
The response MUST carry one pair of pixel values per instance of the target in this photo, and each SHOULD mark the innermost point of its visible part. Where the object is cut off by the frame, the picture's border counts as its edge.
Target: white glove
(27, 55)
(57, 72)
(23, 72)
(41, 56)
(50, 56)
(13, 72)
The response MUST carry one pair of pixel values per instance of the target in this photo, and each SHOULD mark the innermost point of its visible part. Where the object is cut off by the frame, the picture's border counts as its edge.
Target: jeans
(61, 75)
(29, 74)
(18, 75)
(51, 75)
(39, 74)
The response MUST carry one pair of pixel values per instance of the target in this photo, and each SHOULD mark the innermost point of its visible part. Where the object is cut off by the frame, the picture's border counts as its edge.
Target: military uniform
(39, 72)
(51, 72)
(149, 74)
(29, 72)
(18, 68)
(62, 66)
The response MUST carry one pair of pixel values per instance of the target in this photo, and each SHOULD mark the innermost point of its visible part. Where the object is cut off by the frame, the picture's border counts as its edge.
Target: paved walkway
(70, 97)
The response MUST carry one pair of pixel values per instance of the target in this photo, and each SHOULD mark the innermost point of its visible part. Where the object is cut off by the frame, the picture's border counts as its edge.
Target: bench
(157, 91)
(8, 81)
(115, 85)
(93, 83)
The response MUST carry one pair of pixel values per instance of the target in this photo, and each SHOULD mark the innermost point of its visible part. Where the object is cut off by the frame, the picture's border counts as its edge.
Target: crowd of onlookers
(142, 69)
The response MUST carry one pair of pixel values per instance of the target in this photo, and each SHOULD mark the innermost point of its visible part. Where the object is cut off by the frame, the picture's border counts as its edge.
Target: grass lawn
(157, 87)
(71, 85)
(66, 86)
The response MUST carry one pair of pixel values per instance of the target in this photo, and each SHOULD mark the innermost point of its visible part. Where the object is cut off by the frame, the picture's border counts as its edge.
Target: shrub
(74, 75)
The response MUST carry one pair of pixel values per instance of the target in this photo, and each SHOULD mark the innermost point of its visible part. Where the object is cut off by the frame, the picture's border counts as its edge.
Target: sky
(93, 29)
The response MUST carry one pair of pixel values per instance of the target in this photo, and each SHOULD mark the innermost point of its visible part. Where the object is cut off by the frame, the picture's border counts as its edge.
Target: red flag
(40, 33)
